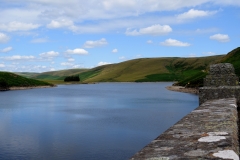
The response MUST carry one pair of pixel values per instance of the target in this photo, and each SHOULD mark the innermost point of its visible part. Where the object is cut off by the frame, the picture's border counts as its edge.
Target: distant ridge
(150, 70)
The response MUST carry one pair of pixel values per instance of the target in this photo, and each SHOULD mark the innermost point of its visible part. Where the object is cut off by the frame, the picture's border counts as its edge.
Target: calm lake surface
(103, 121)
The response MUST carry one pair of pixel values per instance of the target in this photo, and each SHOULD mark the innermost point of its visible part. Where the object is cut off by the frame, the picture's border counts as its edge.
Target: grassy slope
(190, 71)
(26, 74)
(58, 75)
(15, 80)
(232, 57)
(149, 70)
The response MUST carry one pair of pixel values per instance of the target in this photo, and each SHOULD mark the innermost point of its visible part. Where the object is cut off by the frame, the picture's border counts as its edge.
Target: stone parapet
(220, 83)
(210, 93)
(222, 74)
(208, 132)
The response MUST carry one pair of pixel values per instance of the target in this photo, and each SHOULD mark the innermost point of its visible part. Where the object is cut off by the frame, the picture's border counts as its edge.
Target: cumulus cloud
(154, 30)
(220, 37)
(209, 53)
(49, 54)
(4, 38)
(5, 50)
(39, 40)
(19, 57)
(2, 65)
(122, 58)
(192, 55)
(18, 26)
(174, 42)
(192, 13)
(93, 44)
(62, 23)
(110, 14)
(71, 60)
(115, 50)
(103, 63)
(66, 64)
(77, 51)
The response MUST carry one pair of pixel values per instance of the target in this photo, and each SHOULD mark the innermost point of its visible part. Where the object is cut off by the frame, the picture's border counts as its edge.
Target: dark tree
(72, 78)
(3, 85)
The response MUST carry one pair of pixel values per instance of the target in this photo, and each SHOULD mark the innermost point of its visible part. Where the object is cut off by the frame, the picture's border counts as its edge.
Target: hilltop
(137, 70)
(9, 80)
(232, 57)
(149, 70)
(187, 72)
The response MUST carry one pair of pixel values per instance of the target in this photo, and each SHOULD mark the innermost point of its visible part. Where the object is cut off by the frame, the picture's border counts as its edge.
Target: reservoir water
(102, 121)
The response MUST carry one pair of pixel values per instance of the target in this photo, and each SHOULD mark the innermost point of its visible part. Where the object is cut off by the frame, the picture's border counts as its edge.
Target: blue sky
(49, 35)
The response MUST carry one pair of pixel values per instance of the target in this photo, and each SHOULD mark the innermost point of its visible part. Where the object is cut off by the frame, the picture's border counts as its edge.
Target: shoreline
(183, 89)
(25, 88)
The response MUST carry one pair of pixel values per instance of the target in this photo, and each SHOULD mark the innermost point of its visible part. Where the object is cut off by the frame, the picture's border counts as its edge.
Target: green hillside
(58, 75)
(26, 74)
(186, 71)
(149, 70)
(232, 57)
(13, 80)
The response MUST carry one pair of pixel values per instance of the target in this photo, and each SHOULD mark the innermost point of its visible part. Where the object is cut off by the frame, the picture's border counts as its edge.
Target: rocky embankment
(183, 89)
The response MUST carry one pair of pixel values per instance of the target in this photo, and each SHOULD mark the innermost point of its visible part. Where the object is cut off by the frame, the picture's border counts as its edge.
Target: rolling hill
(8, 79)
(138, 70)
(149, 70)
(232, 57)
(58, 75)
(186, 71)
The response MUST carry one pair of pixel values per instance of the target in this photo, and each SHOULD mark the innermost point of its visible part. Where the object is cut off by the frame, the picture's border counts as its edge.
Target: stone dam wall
(208, 132)
(211, 131)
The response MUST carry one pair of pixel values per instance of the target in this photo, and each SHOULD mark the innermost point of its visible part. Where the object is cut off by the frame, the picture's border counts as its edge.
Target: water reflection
(97, 121)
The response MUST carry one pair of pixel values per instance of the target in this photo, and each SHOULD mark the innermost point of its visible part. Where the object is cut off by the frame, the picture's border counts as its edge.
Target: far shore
(32, 87)
(183, 89)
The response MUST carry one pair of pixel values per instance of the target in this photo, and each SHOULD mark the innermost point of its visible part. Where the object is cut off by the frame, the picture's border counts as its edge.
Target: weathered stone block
(220, 83)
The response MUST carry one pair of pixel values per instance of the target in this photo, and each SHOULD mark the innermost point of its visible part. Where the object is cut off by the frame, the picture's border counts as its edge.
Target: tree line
(72, 78)
(3, 85)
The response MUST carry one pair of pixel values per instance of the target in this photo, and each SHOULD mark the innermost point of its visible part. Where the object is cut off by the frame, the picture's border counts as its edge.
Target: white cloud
(106, 15)
(62, 23)
(122, 58)
(76, 66)
(18, 26)
(154, 30)
(4, 38)
(2, 65)
(78, 51)
(66, 64)
(209, 53)
(71, 60)
(220, 37)
(103, 63)
(6, 49)
(192, 13)
(192, 55)
(18, 57)
(173, 42)
(39, 40)
(149, 41)
(49, 54)
(93, 44)
(115, 50)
